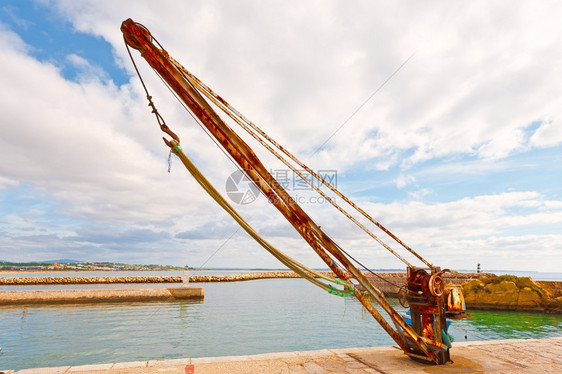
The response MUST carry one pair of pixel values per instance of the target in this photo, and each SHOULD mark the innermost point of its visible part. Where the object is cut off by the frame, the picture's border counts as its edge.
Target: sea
(235, 318)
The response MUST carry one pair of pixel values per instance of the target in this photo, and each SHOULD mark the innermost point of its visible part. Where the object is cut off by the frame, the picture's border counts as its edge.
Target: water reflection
(238, 318)
(511, 325)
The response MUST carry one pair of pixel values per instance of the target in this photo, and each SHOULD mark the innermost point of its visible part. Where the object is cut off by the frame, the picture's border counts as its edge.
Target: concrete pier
(61, 296)
(532, 356)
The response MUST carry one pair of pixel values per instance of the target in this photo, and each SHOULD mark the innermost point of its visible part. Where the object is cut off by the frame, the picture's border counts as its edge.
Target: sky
(442, 120)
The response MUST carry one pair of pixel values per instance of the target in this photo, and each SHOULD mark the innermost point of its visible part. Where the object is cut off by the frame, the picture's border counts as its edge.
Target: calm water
(237, 318)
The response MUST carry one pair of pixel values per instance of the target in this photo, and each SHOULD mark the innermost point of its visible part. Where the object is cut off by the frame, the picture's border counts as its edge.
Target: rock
(508, 292)
(555, 305)
(528, 298)
(503, 295)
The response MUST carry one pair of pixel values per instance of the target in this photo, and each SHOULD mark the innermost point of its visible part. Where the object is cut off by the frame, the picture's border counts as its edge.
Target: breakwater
(22, 281)
(389, 283)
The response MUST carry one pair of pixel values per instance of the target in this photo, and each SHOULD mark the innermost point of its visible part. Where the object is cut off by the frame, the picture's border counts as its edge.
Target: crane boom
(423, 289)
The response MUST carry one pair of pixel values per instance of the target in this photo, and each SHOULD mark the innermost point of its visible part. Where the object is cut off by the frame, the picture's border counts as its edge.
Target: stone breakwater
(22, 281)
(389, 283)
(508, 292)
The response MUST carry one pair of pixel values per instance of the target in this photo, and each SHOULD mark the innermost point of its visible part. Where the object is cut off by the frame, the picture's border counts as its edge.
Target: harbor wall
(389, 283)
(21, 281)
(17, 297)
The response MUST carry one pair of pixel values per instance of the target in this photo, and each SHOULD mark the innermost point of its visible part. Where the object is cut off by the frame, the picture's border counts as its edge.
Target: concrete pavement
(532, 356)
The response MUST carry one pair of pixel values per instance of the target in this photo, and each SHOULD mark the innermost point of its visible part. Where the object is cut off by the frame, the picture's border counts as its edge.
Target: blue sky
(458, 153)
(52, 39)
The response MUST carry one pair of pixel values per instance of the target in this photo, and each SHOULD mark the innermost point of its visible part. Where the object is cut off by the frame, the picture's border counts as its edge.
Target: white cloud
(87, 71)
(547, 135)
(418, 194)
(70, 140)
(7, 183)
(481, 75)
(454, 233)
(403, 180)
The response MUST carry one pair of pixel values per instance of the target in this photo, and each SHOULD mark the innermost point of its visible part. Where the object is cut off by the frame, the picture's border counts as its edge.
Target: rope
(318, 239)
(367, 269)
(305, 272)
(218, 249)
(246, 125)
(308, 229)
(159, 118)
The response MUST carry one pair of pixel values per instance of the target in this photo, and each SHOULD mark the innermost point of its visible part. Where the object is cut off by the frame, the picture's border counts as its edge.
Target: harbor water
(236, 318)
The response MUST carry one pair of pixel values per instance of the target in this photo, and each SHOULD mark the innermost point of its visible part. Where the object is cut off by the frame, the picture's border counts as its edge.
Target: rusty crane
(422, 335)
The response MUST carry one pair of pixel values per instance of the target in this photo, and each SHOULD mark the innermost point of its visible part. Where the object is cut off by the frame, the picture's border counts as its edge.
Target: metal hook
(167, 130)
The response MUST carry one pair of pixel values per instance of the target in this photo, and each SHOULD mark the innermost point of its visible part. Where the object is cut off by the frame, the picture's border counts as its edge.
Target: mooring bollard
(185, 279)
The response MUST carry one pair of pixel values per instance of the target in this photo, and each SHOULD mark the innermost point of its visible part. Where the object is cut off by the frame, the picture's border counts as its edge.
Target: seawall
(21, 281)
(389, 283)
(19, 297)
